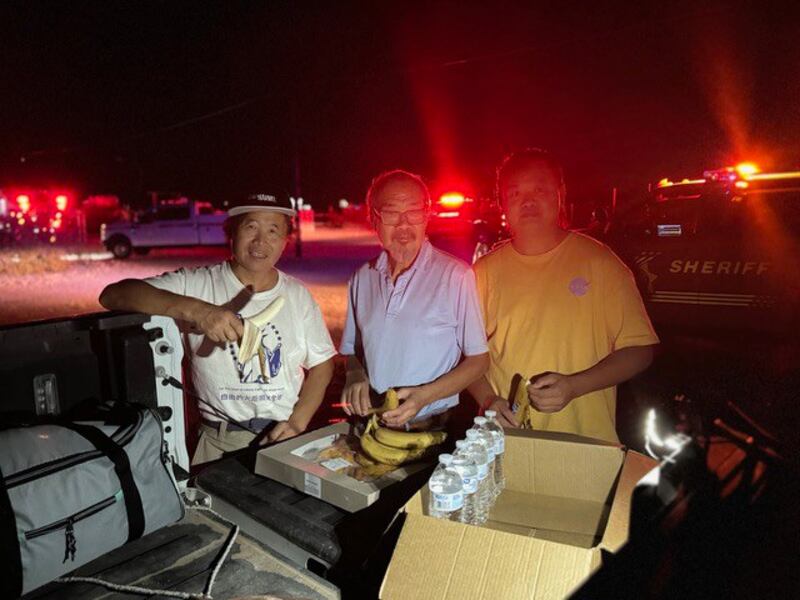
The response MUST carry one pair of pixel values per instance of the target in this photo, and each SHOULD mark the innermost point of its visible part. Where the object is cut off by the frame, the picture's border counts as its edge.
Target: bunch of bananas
(386, 446)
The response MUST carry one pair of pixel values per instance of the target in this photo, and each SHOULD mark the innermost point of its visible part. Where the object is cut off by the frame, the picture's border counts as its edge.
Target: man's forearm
(468, 371)
(140, 296)
(481, 391)
(615, 368)
(312, 393)
(354, 367)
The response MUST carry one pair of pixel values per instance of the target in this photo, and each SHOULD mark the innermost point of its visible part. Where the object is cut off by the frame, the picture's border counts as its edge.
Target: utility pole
(298, 202)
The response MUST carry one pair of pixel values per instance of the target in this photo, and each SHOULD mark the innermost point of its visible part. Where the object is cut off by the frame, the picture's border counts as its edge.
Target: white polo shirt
(416, 329)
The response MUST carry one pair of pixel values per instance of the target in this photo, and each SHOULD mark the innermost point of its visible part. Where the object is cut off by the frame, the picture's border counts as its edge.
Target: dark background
(217, 98)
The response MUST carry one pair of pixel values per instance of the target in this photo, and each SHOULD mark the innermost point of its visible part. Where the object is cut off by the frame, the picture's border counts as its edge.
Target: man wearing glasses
(282, 386)
(413, 320)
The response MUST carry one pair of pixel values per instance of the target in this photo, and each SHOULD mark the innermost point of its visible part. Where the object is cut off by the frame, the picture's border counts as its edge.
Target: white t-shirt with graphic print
(295, 339)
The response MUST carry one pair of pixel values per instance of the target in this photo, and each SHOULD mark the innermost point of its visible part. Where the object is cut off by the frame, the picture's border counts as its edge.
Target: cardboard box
(297, 463)
(566, 497)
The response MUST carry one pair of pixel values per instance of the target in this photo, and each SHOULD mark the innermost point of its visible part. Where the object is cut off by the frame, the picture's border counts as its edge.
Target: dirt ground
(329, 257)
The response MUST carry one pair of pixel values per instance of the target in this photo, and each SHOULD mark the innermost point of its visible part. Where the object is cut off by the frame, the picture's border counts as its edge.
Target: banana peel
(520, 401)
(370, 468)
(390, 402)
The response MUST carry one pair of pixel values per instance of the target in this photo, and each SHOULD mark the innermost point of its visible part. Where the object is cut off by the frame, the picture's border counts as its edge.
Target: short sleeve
(626, 318)
(348, 345)
(319, 346)
(174, 281)
(471, 331)
(480, 272)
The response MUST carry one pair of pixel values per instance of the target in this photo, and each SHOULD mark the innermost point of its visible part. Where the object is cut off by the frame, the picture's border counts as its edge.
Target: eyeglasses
(393, 217)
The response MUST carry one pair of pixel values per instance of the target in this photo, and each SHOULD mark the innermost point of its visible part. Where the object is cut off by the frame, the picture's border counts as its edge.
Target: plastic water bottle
(446, 491)
(485, 437)
(500, 447)
(468, 470)
(476, 452)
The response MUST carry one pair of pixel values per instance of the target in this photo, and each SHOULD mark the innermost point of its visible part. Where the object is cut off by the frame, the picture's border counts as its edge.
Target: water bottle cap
(479, 420)
(491, 414)
(445, 459)
(462, 461)
(460, 443)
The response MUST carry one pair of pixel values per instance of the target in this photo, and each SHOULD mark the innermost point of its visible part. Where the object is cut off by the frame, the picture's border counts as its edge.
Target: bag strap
(10, 557)
(122, 466)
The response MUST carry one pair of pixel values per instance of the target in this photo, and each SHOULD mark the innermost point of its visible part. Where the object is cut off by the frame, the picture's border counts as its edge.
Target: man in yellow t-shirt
(560, 309)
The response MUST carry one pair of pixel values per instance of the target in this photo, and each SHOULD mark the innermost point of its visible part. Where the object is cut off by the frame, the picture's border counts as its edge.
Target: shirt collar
(423, 257)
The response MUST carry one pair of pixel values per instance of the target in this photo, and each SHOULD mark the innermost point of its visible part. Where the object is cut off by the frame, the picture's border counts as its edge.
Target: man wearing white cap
(283, 383)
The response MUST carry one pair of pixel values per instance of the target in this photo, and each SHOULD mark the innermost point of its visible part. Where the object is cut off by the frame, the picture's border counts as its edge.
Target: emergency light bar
(742, 176)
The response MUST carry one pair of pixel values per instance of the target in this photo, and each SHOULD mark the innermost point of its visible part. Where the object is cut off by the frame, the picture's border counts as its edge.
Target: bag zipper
(121, 437)
(67, 524)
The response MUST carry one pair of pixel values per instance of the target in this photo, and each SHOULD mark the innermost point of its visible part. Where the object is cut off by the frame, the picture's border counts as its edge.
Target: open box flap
(565, 465)
(441, 559)
(634, 467)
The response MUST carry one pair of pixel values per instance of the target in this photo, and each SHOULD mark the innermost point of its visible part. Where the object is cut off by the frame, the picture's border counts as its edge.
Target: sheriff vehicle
(719, 252)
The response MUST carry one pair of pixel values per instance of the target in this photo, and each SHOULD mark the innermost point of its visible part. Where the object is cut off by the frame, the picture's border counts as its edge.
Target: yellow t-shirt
(561, 311)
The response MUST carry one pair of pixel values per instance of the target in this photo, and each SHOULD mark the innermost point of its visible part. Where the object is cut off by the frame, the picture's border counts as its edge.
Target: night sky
(220, 98)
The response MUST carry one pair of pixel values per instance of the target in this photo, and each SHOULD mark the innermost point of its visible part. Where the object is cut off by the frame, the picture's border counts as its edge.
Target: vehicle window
(173, 213)
(684, 213)
(727, 217)
(789, 212)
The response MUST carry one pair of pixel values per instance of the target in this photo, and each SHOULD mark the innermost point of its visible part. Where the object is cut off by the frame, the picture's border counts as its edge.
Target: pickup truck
(294, 545)
(291, 544)
(173, 223)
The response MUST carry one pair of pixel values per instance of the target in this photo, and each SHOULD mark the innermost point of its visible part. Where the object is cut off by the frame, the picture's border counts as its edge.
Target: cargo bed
(180, 558)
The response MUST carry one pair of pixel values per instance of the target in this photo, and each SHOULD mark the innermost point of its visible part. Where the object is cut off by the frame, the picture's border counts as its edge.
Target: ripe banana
(409, 439)
(382, 453)
(404, 446)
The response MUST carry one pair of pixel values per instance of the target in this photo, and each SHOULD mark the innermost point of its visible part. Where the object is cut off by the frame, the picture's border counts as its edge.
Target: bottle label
(483, 471)
(470, 485)
(499, 443)
(448, 502)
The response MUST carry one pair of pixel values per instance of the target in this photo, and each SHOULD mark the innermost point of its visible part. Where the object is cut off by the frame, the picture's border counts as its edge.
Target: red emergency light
(451, 200)
(24, 203)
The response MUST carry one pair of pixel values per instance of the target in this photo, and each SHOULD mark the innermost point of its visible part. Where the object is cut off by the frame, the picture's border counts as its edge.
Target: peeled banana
(391, 401)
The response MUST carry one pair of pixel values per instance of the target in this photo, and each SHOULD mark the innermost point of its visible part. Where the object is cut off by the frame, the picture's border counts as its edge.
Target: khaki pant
(213, 444)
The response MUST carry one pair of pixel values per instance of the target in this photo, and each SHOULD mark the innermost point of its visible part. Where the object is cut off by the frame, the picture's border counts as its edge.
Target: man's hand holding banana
(412, 399)
(218, 323)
